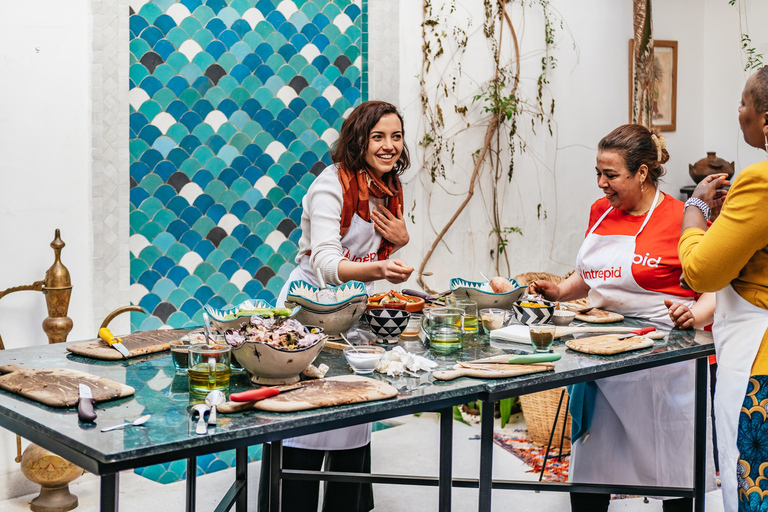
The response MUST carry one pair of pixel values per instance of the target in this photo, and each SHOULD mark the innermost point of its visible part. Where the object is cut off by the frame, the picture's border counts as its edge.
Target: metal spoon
(213, 399)
(201, 409)
(348, 342)
(135, 423)
(485, 276)
(206, 329)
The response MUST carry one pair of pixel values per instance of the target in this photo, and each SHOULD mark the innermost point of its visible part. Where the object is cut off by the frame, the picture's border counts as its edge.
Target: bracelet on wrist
(698, 203)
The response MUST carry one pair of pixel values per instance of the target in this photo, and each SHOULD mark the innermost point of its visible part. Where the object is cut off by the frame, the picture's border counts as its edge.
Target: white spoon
(213, 399)
(201, 428)
(135, 423)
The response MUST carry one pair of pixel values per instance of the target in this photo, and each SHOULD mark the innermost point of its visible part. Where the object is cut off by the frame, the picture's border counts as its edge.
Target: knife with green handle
(534, 358)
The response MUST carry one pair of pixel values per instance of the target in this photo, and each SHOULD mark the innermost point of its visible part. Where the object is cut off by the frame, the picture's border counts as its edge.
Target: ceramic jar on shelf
(711, 164)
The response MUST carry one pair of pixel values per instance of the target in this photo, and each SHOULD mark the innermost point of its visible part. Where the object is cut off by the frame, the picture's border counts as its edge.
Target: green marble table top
(169, 434)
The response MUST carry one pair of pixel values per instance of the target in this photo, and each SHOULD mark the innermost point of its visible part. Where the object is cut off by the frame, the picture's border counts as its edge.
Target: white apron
(738, 330)
(642, 430)
(358, 243)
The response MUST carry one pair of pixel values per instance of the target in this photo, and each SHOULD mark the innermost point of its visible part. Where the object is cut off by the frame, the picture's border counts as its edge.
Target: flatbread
(608, 344)
(599, 316)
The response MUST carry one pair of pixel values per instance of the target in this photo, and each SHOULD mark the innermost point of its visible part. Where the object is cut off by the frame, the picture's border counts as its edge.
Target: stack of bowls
(482, 293)
(334, 317)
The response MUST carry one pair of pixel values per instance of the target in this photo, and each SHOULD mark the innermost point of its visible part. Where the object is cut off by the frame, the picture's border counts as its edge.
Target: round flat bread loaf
(599, 316)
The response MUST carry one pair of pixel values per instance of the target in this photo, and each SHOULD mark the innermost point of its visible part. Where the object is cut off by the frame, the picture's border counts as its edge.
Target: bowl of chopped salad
(396, 300)
(240, 315)
(275, 350)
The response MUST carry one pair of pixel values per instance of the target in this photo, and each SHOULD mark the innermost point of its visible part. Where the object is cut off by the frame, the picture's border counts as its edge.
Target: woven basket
(539, 412)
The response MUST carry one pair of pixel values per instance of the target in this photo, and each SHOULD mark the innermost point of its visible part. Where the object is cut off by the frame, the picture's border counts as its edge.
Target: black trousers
(303, 496)
(583, 502)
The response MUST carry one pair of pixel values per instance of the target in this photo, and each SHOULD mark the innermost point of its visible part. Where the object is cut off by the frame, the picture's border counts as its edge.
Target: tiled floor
(410, 448)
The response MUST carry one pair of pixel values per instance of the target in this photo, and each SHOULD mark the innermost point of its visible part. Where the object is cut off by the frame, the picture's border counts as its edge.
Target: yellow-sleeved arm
(713, 259)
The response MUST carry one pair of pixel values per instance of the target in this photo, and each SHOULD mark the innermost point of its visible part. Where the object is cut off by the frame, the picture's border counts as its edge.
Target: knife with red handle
(637, 332)
(260, 393)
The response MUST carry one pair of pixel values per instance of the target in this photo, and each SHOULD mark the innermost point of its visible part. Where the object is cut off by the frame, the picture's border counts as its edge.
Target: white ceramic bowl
(482, 293)
(304, 294)
(332, 321)
(563, 317)
(233, 318)
(363, 359)
(271, 365)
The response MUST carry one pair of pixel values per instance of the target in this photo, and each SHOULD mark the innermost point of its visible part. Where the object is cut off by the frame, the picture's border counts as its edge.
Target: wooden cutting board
(138, 344)
(342, 390)
(599, 316)
(608, 344)
(489, 370)
(58, 387)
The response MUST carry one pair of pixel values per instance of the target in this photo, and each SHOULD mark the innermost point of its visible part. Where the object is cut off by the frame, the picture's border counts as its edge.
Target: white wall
(45, 54)
(590, 86)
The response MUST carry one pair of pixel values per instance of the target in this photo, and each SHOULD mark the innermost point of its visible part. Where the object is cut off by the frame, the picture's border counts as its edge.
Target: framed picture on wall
(664, 90)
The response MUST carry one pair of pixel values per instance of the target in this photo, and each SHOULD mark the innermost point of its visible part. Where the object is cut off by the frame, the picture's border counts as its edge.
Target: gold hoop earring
(766, 144)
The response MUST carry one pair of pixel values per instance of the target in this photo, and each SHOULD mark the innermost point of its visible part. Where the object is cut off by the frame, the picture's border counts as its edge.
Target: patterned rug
(518, 444)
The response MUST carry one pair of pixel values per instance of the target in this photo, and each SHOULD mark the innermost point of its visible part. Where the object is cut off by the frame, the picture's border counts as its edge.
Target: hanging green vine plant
(502, 100)
(754, 59)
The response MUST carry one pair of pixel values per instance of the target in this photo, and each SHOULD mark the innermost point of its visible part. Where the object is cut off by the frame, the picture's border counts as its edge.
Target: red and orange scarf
(356, 188)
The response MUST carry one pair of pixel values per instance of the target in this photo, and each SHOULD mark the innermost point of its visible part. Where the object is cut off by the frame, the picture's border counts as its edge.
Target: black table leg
(110, 487)
(700, 440)
(191, 484)
(486, 456)
(275, 468)
(241, 476)
(446, 459)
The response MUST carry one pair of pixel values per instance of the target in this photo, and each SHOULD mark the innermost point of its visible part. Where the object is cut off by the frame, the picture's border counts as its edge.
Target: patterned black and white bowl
(527, 314)
(388, 323)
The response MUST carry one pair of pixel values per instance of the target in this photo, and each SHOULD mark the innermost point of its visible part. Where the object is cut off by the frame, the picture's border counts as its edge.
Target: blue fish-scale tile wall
(233, 106)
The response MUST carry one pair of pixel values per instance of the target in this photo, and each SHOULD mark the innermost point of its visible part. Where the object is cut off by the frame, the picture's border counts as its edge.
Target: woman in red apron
(639, 427)
(731, 258)
(352, 222)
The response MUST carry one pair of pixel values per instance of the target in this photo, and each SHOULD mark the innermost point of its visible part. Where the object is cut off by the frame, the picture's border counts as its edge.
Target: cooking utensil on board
(261, 393)
(637, 332)
(201, 428)
(521, 333)
(85, 404)
(534, 358)
(116, 343)
(135, 423)
(213, 399)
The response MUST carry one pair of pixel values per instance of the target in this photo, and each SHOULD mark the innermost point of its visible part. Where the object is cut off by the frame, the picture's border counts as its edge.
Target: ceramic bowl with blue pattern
(236, 316)
(305, 294)
(482, 293)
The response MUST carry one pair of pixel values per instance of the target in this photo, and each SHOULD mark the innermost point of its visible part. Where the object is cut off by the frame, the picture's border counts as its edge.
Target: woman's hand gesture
(396, 271)
(680, 314)
(390, 227)
(546, 289)
(707, 191)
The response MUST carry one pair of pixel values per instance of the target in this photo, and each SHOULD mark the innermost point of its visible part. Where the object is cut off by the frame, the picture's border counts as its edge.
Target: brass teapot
(712, 164)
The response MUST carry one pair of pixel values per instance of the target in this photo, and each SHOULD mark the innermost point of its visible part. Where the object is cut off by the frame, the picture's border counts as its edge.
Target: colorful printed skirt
(752, 442)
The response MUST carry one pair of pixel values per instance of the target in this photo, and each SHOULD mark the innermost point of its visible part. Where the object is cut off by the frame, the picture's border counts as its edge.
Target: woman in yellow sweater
(731, 258)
